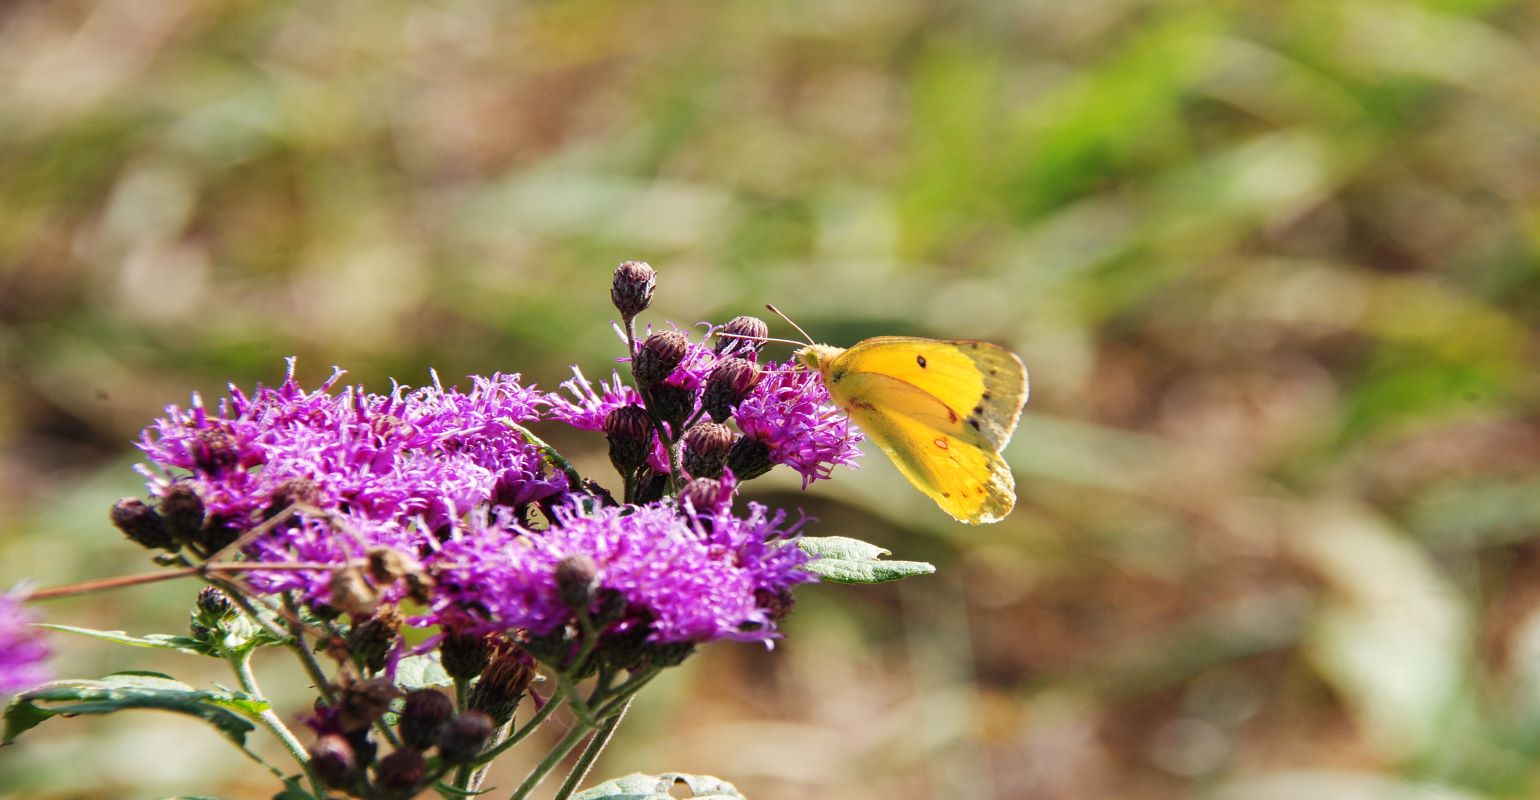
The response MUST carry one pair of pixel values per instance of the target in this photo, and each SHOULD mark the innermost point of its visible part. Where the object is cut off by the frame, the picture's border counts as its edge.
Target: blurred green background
(1273, 266)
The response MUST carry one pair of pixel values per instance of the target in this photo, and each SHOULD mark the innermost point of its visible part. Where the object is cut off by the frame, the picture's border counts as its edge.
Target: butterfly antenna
(777, 312)
(757, 338)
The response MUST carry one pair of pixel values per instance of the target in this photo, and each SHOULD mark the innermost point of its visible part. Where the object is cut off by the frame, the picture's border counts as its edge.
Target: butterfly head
(816, 357)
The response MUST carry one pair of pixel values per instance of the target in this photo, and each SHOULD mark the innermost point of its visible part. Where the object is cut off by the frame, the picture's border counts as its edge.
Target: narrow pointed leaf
(841, 559)
(225, 710)
(159, 641)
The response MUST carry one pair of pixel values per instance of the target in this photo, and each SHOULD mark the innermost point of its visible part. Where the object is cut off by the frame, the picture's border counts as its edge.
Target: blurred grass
(1273, 267)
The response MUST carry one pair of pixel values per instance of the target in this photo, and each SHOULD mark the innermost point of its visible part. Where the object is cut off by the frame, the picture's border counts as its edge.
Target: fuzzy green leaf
(222, 709)
(422, 671)
(639, 786)
(841, 559)
(159, 641)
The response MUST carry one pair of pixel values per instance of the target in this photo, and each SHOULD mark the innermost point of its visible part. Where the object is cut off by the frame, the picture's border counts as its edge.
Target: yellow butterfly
(941, 409)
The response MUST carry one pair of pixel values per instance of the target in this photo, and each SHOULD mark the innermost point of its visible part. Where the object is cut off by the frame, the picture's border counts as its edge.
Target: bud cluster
(343, 753)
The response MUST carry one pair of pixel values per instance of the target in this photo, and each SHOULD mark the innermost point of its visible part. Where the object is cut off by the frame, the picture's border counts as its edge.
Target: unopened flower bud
(214, 605)
(464, 737)
(182, 510)
(289, 492)
(371, 640)
(214, 451)
(778, 602)
(501, 687)
(730, 381)
(706, 495)
(333, 760)
(673, 404)
(632, 290)
(705, 449)
(577, 577)
(749, 458)
(464, 656)
(753, 330)
(361, 703)
(424, 716)
(141, 523)
(657, 356)
(401, 773)
(629, 432)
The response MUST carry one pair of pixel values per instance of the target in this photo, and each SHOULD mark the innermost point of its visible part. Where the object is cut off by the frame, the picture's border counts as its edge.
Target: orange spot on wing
(941, 443)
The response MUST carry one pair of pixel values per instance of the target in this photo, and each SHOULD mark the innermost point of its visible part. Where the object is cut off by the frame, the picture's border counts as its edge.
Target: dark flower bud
(218, 532)
(371, 640)
(182, 510)
(141, 523)
(464, 737)
(629, 432)
(706, 494)
(673, 404)
(632, 651)
(650, 487)
(749, 458)
(361, 703)
(753, 329)
(730, 381)
(705, 449)
(401, 773)
(464, 656)
(577, 578)
(501, 687)
(214, 451)
(332, 759)
(424, 716)
(291, 491)
(778, 603)
(632, 290)
(214, 605)
(658, 355)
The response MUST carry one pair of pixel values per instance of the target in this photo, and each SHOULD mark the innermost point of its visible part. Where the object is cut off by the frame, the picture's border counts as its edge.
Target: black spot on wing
(920, 360)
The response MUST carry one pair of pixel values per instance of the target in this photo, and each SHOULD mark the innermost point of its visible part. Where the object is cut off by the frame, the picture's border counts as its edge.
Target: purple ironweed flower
(22, 651)
(791, 414)
(786, 416)
(383, 468)
(588, 406)
(684, 576)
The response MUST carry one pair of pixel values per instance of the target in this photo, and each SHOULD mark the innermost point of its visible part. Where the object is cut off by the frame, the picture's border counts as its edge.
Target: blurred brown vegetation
(1273, 266)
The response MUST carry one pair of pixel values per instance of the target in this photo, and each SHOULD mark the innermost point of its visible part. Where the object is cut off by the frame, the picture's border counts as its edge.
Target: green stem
(596, 745)
(579, 732)
(306, 656)
(241, 664)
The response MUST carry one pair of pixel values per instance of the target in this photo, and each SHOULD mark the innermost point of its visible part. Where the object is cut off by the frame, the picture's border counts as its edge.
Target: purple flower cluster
(384, 468)
(683, 576)
(788, 410)
(22, 651)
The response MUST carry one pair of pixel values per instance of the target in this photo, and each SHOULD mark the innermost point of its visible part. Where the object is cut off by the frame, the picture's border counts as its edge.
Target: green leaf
(841, 559)
(422, 671)
(124, 690)
(159, 641)
(639, 786)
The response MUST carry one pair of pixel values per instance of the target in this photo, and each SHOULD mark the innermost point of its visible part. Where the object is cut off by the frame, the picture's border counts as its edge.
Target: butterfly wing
(942, 411)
